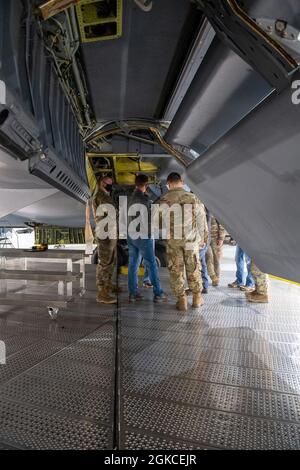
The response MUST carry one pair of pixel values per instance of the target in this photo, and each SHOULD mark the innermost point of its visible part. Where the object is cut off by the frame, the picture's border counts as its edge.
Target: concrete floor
(143, 376)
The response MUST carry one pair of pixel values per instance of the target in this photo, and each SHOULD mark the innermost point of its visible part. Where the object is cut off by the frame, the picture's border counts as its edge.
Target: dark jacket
(138, 197)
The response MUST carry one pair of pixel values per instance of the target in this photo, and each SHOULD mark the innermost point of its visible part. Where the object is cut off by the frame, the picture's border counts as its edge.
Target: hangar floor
(143, 376)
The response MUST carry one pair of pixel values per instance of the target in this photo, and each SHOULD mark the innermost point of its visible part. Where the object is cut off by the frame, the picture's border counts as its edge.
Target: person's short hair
(141, 180)
(174, 178)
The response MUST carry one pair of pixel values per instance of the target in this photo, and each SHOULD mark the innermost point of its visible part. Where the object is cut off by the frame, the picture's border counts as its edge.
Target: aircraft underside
(118, 87)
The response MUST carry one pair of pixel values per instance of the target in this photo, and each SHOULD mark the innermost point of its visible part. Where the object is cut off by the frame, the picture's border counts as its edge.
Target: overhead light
(194, 153)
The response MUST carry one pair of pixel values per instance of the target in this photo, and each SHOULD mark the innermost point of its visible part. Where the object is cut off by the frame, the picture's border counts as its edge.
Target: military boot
(197, 300)
(247, 289)
(104, 297)
(215, 282)
(234, 285)
(182, 303)
(257, 298)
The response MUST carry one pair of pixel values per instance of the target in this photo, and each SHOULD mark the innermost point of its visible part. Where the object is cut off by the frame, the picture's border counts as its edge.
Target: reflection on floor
(223, 376)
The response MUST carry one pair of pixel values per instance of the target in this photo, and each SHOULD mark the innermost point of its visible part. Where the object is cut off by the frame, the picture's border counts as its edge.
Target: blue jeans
(147, 273)
(204, 272)
(243, 278)
(138, 249)
(146, 276)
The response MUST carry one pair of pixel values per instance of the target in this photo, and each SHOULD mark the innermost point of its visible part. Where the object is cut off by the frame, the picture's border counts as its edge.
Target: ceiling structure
(133, 76)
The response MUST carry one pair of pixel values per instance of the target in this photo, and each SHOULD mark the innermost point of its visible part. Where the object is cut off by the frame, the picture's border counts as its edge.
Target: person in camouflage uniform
(183, 253)
(214, 252)
(107, 248)
(260, 295)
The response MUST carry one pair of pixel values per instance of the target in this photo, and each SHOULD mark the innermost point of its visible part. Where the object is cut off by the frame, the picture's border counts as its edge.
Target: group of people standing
(191, 257)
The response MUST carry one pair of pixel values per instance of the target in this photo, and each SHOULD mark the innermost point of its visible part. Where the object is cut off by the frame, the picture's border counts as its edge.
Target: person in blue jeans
(137, 250)
(204, 271)
(244, 279)
(146, 279)
(142, 248)
(203, 251)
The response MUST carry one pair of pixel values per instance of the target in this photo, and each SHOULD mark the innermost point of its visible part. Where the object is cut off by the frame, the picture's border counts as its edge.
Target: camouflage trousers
(213, 257)
(181, 263)
(107, 253)
(260, 279)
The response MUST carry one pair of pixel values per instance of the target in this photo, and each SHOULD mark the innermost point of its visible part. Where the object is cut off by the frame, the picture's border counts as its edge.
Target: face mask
(108, 188)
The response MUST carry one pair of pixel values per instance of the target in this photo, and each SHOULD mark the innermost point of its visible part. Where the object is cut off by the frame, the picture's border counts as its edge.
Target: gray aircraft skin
(206, 88)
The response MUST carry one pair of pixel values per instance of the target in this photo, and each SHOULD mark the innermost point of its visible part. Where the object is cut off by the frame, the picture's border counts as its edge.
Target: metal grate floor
(144, 376)
(225, 376)
(57, 387)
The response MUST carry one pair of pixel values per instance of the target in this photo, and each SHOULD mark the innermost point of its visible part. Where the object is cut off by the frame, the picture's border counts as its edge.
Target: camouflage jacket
(187, 221)
(103, 200)
(217, 232)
